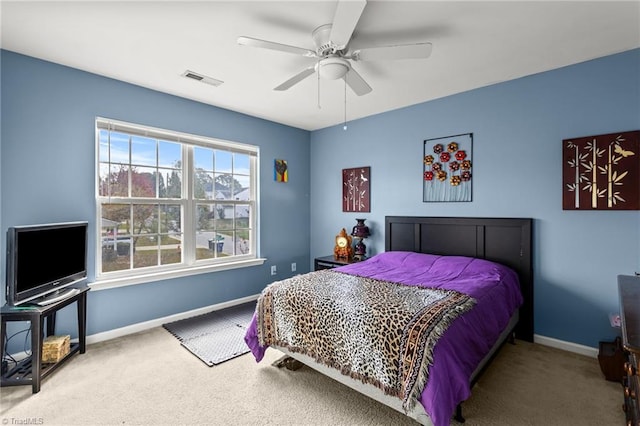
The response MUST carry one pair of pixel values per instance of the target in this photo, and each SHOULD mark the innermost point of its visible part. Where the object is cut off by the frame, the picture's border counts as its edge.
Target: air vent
(202, 78)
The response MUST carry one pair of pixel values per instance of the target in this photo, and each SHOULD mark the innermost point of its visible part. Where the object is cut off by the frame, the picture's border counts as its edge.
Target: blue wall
(48, 166)
(48, 156)
(518, 129)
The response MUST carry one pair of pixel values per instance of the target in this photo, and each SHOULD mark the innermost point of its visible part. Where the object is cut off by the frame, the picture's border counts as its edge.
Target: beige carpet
(149, 379)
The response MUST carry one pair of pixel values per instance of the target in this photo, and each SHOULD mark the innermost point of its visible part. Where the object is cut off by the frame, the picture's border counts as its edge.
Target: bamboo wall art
(355, 189)
(601, 172)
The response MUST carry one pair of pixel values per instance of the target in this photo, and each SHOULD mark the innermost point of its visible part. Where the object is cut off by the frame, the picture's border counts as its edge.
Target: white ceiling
(475, 43)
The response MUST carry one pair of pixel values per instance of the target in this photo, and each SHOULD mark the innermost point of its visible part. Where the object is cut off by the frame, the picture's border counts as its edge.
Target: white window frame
(189, 266)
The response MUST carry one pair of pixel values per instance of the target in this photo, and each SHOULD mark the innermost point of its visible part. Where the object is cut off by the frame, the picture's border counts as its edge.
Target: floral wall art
(355, 189)
(601, 172)
(447, 168)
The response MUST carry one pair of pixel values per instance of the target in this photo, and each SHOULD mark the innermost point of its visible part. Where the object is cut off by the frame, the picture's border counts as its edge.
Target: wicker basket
(54, 348)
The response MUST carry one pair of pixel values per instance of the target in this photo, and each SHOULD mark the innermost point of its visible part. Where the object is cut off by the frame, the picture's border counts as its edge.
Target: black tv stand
(31, 370)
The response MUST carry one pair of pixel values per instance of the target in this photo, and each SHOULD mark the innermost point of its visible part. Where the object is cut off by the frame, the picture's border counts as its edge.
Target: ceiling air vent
(202, 78)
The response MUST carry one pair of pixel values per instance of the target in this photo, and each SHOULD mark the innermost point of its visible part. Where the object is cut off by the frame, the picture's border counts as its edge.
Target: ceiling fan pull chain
(318, 72)
(345, 104)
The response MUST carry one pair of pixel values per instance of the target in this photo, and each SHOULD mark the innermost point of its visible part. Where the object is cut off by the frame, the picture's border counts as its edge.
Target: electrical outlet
(293, 267)
(273, 270)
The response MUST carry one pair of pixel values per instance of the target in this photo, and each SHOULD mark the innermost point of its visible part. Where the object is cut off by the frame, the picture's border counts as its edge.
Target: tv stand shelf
(23, 371)
(31, 370)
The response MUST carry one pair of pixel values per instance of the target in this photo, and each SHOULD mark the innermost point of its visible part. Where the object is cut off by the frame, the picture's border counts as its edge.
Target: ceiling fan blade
(296, 78)
(356, 82)
(345, 20)
(403, 51)
(255, 42)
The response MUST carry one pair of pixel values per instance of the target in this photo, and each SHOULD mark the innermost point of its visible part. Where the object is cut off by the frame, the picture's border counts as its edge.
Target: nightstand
(329, 262)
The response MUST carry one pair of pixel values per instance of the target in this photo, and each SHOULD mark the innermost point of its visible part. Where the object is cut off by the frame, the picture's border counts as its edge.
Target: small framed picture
(280, 171)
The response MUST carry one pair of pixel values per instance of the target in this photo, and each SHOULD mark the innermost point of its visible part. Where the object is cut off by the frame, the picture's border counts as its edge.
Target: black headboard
(503, 240)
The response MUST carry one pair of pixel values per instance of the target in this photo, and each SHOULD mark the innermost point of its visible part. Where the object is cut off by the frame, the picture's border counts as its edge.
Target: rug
(216, 336)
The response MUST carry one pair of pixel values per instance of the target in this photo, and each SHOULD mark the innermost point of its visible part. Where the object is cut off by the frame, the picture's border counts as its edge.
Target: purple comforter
(457, 354)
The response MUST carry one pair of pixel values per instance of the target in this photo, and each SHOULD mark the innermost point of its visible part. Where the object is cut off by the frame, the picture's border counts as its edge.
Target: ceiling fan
(332, 54)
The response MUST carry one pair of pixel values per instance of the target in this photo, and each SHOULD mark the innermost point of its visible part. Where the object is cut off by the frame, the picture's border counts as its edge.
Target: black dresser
(629, 291)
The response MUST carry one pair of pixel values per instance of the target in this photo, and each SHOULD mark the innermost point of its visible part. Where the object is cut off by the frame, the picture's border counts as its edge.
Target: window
(169, 201)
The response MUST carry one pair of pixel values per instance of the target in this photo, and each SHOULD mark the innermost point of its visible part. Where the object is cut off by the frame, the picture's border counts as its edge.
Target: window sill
(122, 281)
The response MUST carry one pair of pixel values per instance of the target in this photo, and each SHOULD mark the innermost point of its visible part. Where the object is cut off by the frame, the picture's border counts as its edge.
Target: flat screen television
(43, 259)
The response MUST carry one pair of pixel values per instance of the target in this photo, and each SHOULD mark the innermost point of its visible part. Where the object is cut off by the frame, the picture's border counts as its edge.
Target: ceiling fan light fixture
(333, 68)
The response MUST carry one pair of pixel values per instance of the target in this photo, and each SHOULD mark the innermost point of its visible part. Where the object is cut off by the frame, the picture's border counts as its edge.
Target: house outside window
(172, 202)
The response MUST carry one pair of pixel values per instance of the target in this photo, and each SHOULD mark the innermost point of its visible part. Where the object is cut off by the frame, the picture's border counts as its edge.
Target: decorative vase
(360, 250)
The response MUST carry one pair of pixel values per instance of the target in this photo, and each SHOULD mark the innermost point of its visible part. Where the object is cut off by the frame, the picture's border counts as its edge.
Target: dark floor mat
(216, 336)
(215, 348)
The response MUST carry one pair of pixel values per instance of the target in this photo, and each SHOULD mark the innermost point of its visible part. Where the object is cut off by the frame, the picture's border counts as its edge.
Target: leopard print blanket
(375, 331)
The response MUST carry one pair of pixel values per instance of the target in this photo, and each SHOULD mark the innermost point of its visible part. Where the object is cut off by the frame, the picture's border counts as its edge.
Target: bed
(412, 327)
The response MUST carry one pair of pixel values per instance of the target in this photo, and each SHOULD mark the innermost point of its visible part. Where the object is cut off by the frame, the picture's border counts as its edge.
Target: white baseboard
(135, 328)
(142, 326)
(566, 346)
